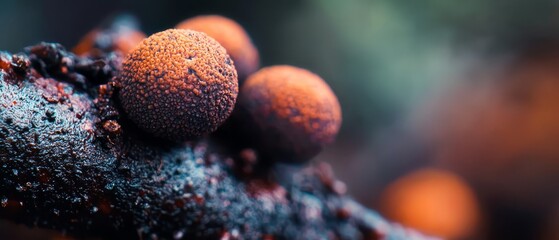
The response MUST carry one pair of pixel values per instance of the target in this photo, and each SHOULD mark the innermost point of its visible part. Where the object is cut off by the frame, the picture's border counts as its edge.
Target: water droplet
(15, 171)
(178, 234)
(235, 233)
(56, 212)
(76, 200)
(110, 186)
(94, 209)
(4, 202)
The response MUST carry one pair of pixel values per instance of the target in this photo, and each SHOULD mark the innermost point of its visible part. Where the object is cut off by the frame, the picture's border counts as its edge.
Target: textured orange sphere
(231, 36)
(178, 84)
(433, 201)
(293, 111)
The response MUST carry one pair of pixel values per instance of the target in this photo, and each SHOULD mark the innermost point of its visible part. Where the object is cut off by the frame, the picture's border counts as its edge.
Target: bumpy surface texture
(232, 37)
(178, 84)
(294, 107)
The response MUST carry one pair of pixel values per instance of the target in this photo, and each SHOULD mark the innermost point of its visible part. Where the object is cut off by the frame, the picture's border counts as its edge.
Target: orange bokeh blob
(433, 201)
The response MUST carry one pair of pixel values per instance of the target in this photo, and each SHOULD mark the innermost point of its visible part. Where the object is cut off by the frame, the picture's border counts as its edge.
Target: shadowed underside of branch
(69, 162)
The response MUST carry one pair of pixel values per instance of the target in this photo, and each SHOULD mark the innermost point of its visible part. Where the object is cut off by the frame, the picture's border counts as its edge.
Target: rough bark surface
(69, 161)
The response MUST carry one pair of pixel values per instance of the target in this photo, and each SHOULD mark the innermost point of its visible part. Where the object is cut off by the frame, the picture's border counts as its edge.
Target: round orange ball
(178, 84)
(231, 36)
(292, 112)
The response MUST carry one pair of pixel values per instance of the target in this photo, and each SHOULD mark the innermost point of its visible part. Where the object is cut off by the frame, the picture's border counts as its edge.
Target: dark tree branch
(69, 162)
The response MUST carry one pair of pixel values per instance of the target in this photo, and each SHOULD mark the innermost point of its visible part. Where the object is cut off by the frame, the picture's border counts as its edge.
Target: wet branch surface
(69, 161)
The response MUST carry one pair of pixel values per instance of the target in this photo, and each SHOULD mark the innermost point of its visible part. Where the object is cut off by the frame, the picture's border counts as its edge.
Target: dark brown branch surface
(68, 161)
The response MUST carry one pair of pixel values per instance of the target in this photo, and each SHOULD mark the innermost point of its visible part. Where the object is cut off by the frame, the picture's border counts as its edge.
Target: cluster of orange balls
(186, 82)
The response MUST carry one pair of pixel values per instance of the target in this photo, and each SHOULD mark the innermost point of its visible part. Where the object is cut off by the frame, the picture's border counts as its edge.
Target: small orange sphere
(122, 40)
(231, 36)
(125, 41)
(178, 84)
(434, 201)
(294, 113)
(85, 45)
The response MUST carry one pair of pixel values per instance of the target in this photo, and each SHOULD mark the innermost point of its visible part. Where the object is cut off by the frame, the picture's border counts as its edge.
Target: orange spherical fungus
(85, 45)
(125, 41)
(434, 201)
(231, 36)
(294, 112)
(178, 84)
(122, 40)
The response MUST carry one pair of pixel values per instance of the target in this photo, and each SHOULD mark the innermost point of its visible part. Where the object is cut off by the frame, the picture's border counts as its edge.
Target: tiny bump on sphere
(294, 113)
(177, 84)
(231, 36)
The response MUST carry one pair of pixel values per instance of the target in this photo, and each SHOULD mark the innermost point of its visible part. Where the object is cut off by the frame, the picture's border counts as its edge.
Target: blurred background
(451, 108)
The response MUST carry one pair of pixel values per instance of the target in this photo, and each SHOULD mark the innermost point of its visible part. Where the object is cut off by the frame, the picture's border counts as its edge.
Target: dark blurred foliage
(388, 61)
